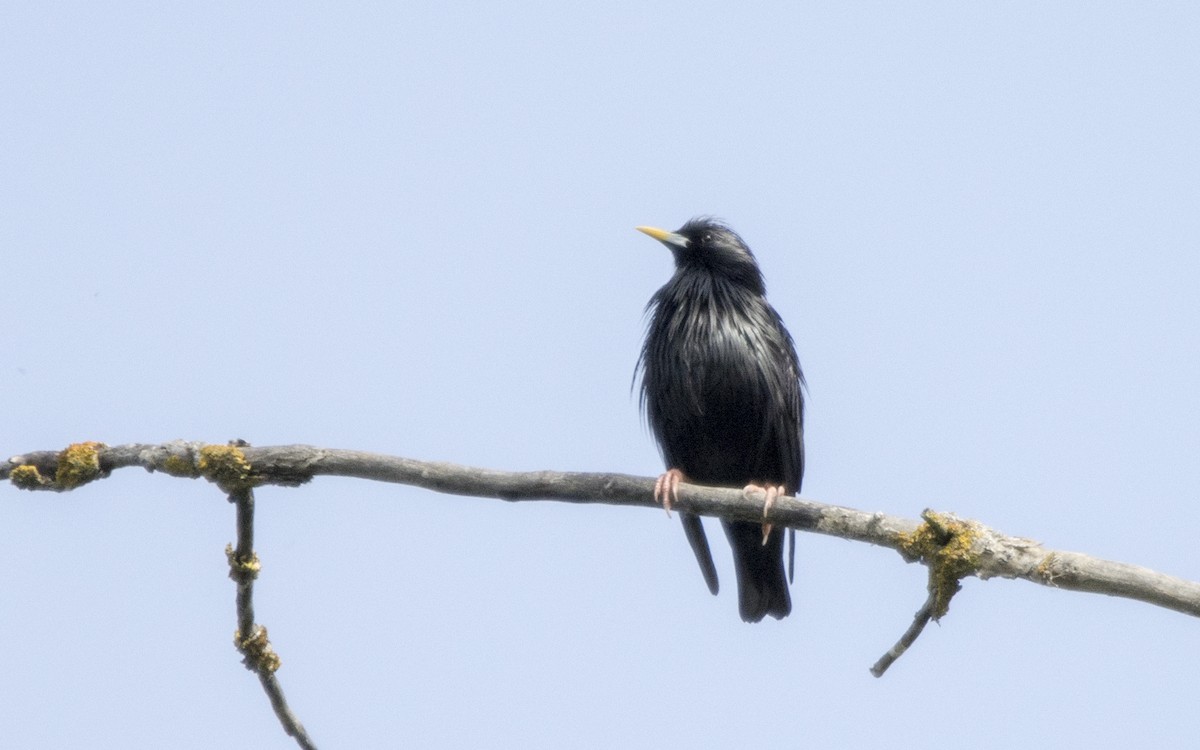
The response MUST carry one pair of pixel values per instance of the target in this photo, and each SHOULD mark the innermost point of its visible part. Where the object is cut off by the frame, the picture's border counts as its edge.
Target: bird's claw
(773, 491)
(666, 489)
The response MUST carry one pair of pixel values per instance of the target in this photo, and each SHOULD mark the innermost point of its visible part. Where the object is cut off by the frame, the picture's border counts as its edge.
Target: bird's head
(705, 245)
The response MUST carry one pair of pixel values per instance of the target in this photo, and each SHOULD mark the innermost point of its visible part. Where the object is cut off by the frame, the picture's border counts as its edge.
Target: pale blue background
(409, 229)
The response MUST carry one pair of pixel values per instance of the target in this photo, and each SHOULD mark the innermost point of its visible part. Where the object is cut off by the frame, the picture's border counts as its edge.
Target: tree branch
(952, 548)
(920, 620)
(251, 638)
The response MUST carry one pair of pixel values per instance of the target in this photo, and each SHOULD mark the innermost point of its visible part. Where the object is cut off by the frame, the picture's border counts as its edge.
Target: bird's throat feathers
(711, 274)
(702, 292)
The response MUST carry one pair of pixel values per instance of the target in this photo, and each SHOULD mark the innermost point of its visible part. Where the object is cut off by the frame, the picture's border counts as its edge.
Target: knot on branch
(242, 568)
(226, 466)
(27, 477)
(1048, 570)
(258, 656)
(946, 544)
(78, 463)
(75, 465)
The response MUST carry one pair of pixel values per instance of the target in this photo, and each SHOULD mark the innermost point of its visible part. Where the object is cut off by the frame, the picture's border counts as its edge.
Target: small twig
(920, 620)
(243, 563)
(251, 639)
(945, 545)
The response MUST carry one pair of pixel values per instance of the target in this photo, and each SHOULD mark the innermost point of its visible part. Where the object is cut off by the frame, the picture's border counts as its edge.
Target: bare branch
(251, 638)
(920, 620)
(226, 466)
(952, 548)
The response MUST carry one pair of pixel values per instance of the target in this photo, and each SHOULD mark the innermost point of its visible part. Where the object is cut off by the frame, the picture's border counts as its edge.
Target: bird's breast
(707, 387)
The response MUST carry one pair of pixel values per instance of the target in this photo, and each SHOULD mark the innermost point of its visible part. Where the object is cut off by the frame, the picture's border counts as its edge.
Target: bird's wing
(790, 425)
(699, 542)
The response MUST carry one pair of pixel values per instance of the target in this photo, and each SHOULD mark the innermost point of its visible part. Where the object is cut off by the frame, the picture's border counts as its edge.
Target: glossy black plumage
(721, 388)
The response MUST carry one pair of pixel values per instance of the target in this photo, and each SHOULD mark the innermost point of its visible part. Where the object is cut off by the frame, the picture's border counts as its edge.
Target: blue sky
(409, 229)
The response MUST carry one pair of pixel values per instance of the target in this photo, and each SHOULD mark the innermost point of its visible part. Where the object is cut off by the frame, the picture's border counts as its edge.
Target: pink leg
(772, 491)
(666, 489)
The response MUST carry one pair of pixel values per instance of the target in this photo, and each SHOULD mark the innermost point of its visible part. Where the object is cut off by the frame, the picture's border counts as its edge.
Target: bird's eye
(707, 238)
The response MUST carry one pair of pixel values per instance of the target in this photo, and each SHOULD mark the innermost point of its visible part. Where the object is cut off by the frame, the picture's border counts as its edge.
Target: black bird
(721, 388)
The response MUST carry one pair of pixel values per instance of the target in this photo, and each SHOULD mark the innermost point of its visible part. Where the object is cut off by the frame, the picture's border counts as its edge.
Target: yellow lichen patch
(178, 466)
(257, 650)
(226, 466)
(945, 544)
(78, 464)
(27, 477)
(242, 569)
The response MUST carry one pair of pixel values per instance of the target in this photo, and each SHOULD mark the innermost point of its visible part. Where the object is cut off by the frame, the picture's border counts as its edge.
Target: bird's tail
(762, 580)
(699, 542)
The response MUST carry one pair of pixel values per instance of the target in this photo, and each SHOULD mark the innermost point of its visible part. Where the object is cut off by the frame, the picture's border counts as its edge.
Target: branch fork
(950, 547)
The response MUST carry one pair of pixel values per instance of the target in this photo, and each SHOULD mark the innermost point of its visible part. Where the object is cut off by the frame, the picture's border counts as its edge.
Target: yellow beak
(662, 235)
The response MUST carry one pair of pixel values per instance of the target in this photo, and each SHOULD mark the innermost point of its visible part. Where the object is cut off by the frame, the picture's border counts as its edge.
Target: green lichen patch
(78, 463)
(946, 545)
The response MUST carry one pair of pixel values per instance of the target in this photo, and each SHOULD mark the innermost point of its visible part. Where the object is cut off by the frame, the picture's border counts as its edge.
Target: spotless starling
(721, 387)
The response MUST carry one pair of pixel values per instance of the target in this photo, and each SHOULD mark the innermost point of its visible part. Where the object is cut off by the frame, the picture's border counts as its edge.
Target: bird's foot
(772, 491)
(666, 489)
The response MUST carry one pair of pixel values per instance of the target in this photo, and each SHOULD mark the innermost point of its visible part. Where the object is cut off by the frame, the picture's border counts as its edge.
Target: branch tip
(920, 620)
